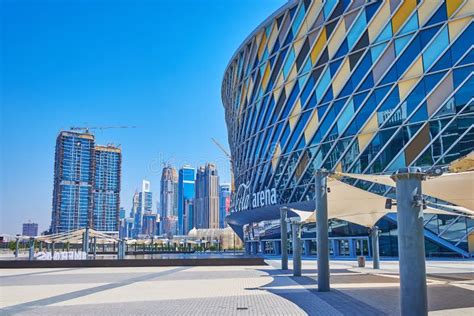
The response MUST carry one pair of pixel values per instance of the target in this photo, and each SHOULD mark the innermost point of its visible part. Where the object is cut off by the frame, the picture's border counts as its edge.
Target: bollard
(374, 233)
(284, 238)
(296, 235)
(322, 230)
(411, 242)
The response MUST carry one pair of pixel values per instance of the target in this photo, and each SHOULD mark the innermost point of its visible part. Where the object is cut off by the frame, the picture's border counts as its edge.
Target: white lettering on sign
(245, 200)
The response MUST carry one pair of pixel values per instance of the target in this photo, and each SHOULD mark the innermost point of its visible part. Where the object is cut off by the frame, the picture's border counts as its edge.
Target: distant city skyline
(57, 73)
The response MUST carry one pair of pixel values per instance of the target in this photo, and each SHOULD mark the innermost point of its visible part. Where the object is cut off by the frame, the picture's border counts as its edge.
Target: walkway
(228, 290)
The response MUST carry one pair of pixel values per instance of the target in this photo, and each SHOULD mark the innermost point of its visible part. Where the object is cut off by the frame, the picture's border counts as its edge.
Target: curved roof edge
(258, 28)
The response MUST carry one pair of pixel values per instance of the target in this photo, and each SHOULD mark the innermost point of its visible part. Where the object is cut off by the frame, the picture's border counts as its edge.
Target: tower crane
(87, 128)
(226, 152)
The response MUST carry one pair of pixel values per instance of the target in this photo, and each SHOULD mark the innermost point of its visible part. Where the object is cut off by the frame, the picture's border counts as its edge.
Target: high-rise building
(169, 199)
(186, 199)
(30, 229)
(106, 188)
(149, 224)
(145, 204)
(122, 213)
(224, 203)
(206, 206)
(73, 181)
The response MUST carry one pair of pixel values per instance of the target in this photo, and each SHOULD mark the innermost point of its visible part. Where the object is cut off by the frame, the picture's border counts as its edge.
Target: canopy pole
(17, 246)
(374, 233)
(411, 242)
(32, 249)
(322, 229)
(284, 238)
(296, 235)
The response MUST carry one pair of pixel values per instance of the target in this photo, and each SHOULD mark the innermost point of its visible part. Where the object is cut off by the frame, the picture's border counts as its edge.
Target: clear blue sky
(157, 65)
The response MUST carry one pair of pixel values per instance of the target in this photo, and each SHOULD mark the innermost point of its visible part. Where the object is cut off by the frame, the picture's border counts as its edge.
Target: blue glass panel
(398, 163)
(411, 25)
(328, 6)
(356, 30)
(439, 16)
(435, 48)
(334, 66)
(377, 50)
(323, 84)
(386, 34)
(307, 90)
(346, 116)
(329, 96)
(342, 51)
(289, 63)
(460, 74)
(401, 42)
(462, 44)
(298, 19)
(371, 9)
(420, 115)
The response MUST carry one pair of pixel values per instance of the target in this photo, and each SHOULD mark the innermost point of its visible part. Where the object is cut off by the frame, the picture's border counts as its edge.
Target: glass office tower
(352, 86)
(73, 181)
(224, 203)
(186, 183)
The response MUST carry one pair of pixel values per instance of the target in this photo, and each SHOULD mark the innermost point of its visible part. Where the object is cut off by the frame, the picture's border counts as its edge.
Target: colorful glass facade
(353, 86)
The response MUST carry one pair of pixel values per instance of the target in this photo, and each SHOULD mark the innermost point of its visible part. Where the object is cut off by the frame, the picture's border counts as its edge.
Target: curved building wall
(348, 86)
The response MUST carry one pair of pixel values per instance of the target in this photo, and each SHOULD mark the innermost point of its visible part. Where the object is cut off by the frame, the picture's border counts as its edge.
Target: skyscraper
(73, 181)
(149, 224)
(144, 206)
(169, 199)
(186, 199)
(30, 229)
(106, 189)
(224, 203)
(206, 208)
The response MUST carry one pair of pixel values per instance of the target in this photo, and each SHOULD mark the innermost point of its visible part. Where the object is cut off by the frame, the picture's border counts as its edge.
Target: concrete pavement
(251, 290)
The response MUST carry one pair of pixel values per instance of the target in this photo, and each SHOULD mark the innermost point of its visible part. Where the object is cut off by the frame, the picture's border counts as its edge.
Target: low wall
(114, 263)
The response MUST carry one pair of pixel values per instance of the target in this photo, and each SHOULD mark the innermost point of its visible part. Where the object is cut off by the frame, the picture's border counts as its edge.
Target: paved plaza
(251, 290)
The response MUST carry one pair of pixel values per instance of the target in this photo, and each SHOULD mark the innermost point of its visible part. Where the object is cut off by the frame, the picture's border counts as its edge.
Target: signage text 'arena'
(244, 200)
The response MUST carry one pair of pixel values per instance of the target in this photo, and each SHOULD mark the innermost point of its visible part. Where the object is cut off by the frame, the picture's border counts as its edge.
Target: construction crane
(87, 128)
(222, 148)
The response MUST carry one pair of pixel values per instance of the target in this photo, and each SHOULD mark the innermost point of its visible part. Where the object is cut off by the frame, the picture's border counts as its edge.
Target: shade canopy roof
(455, 188)
(355, 205)
(75, 237)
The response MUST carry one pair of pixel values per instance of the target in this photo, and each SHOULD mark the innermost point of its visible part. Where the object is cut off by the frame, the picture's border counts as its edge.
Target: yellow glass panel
(403, 12)
(341, 77)
(311, 127)
(311, 15)
(273, 36)
(289, 86)
(425, 10)
(467, 9)
(379, 21)
(276, 154)
(295, 114)
(297, 46)
(452, 5)
(319, 45)
(337, 38)
(404, 87)
(261, 49)
(250, 87)
(339, 167)
(416, 70)
(367, 132)
(455, 27)
(266, 75)
(293, 73)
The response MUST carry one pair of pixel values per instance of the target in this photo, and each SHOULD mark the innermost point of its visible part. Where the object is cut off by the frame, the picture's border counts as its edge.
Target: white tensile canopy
(455, 188)
(75, 237)
(355, 205)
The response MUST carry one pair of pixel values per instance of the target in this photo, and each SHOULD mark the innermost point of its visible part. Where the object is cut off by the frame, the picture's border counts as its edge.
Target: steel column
(411, 242)
(284, 238)
(322, 230)
(296, 235)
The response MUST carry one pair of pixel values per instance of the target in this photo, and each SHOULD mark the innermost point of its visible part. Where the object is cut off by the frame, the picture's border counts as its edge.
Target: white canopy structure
(455, 188)
(75, 237)
(355, 205)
